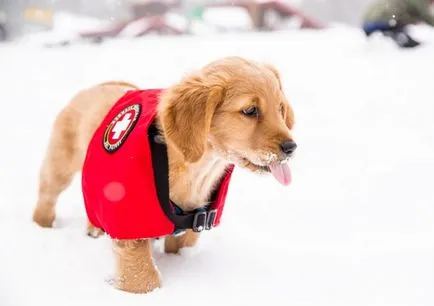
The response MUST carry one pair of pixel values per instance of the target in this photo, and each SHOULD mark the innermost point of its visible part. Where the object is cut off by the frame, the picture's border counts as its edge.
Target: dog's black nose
(288, 147)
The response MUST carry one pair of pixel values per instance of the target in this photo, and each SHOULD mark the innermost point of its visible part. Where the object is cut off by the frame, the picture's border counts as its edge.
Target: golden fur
(201, 119)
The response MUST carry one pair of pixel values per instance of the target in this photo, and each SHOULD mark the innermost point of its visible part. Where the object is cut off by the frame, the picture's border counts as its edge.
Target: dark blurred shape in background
(392, 17)
(19, 17)
(135, 18)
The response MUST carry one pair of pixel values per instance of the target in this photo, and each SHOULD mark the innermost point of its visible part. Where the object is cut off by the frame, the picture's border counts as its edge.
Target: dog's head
(235, 107)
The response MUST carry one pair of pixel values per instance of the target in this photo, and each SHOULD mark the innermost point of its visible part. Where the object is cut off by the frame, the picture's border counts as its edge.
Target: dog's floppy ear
(275, 72)
(288, 114)
(287, 109)
(186, 112)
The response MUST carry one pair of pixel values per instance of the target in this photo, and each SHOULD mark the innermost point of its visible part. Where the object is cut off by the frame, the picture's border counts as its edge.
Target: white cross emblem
(121, 126)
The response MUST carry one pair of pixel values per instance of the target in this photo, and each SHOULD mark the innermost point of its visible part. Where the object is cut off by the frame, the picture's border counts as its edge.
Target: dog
(232, 112)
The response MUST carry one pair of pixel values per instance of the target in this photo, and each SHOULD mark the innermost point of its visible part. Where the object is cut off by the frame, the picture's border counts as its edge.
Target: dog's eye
(252, 111)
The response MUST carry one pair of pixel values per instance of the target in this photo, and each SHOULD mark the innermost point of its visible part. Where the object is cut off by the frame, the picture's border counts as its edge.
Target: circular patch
(114, 191)
(119, 128)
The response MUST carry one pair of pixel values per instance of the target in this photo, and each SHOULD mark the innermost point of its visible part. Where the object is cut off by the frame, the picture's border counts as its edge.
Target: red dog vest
(119, 176)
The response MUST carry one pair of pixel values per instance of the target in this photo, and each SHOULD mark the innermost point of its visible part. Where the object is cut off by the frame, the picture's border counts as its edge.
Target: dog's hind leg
(93, 231)
(58, 168)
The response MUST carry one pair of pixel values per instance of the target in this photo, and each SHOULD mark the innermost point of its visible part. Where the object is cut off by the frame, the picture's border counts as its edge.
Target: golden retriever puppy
(231, 112)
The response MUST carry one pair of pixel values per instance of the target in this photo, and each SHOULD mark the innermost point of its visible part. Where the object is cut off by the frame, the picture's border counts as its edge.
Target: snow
(66, 26)
(234, 18)
(356, 227)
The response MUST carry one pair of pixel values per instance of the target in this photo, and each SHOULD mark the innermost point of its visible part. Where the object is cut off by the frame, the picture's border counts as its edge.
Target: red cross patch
(120, 127)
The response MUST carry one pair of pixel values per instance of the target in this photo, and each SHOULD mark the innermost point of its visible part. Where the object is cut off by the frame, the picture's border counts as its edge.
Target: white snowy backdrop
(356, 227)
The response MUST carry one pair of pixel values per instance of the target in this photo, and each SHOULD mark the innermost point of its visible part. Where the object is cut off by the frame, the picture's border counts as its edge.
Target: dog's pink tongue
(282, 173)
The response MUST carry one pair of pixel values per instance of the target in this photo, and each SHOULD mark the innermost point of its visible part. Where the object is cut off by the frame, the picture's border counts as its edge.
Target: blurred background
(62, 22)
(97, 20)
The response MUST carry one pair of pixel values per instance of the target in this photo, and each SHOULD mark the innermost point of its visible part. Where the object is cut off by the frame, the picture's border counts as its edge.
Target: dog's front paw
(134, 284)
(135, 271)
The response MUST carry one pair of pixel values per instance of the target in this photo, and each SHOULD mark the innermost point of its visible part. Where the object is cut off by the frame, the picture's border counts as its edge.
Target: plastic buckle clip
(210, 221)
(199, 221)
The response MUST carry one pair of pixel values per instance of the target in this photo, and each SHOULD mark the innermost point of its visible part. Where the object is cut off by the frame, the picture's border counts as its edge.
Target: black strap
(197, 221)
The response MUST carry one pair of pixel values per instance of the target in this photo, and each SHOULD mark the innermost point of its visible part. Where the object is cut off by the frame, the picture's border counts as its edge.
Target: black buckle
(199, 221)
(204, 220)
(212, 214)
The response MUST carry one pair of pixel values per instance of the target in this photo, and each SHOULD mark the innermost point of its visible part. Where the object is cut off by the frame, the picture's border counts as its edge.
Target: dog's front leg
(172, 244)
(135, 269)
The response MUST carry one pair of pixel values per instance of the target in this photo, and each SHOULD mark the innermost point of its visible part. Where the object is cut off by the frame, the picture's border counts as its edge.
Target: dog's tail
(119, 83)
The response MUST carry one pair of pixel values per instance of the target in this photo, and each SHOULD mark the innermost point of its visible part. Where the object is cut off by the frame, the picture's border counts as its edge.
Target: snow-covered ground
(356, 227)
